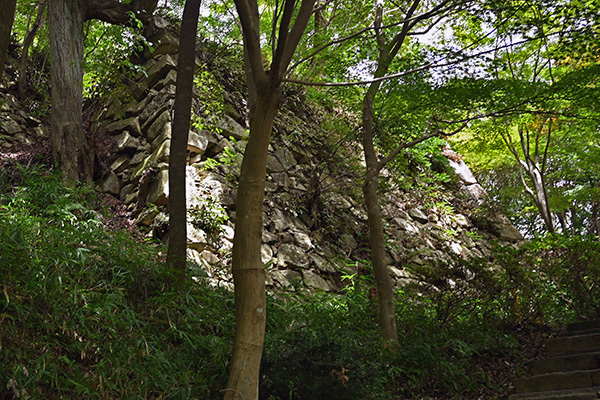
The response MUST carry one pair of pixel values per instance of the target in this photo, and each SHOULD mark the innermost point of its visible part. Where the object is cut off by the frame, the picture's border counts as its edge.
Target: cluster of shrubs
(88, 312)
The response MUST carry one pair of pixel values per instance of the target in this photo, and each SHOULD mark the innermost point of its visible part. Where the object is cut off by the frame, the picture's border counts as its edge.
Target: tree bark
(264, 98)
(40, 20)
(176, 255)
(385, 289)
(71, 149)
(248, 271)
(7, 17)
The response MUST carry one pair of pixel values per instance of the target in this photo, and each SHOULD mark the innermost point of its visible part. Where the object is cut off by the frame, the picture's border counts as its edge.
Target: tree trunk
(385, 289)
(542, 199)
(176, 256)
(71, 149)
(40, 20)
(264, 98)
(594, 228)
(538, 194)
(7, 17)
(248, 271)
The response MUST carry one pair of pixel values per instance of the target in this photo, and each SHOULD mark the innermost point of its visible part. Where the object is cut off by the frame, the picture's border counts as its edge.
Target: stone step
(574, 362)
(592, 393)
(573, 344)
(584, 326)
(580, 332)
(558, 381)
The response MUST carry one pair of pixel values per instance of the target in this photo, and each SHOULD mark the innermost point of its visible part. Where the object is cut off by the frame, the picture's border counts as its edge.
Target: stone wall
(315, 229)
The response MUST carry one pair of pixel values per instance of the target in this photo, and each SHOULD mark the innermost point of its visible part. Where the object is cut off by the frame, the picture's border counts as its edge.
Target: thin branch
(282, 40)
(437, 132)
(433, 64)
(249, 19)
(349, 37)
(90, 51)
(300, 24)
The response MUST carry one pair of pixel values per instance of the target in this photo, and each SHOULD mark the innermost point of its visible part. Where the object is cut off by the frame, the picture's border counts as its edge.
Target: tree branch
(304, 14)
(433, 64)
(249, 19)
(282, 39)
(437, 132)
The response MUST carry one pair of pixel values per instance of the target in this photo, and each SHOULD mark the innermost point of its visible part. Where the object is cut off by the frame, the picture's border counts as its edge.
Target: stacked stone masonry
(295, 252)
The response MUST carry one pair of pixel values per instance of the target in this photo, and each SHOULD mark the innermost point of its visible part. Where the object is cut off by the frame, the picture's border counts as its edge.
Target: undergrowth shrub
(472, 310)
(554, 279)
(323, 346)
(86, 313)
(328, 347)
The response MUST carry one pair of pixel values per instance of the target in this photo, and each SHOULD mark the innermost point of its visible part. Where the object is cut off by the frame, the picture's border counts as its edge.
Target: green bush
(323, 346)
(86, 313)
(555, 279)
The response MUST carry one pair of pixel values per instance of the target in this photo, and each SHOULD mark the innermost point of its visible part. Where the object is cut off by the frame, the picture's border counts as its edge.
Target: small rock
(127, 142)
(230, 127)
(314, 281)
(159, 189)
(405, 225)
(289, 254)
(266, 253)
(146, 217)
(209, 256)
(10, 127)
(160, 69)
(157, 126)
(269, 238)
(303, 240)
(418, 215)
(197, 143)
(120, 164)
(131, 125)
(111, 184)
(322, 264)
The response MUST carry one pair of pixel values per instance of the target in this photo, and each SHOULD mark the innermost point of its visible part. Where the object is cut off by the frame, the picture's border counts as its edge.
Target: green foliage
(211, 93)
(209, 215)
(25, 15)
(322, 346)
(328, 347)
(109, 71)
(229, 161)
(554, 279)
(426, 172)
(86, 312)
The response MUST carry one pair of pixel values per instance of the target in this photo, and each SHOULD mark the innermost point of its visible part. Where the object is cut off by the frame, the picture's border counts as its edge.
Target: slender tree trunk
(40, 20)
(7, 17)
(385, 289)
(71, 149)
(594, 228)
(181, 126)
(264, 98)
(538, 194)
(562, 222)
(248, 271)
(542, 198)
